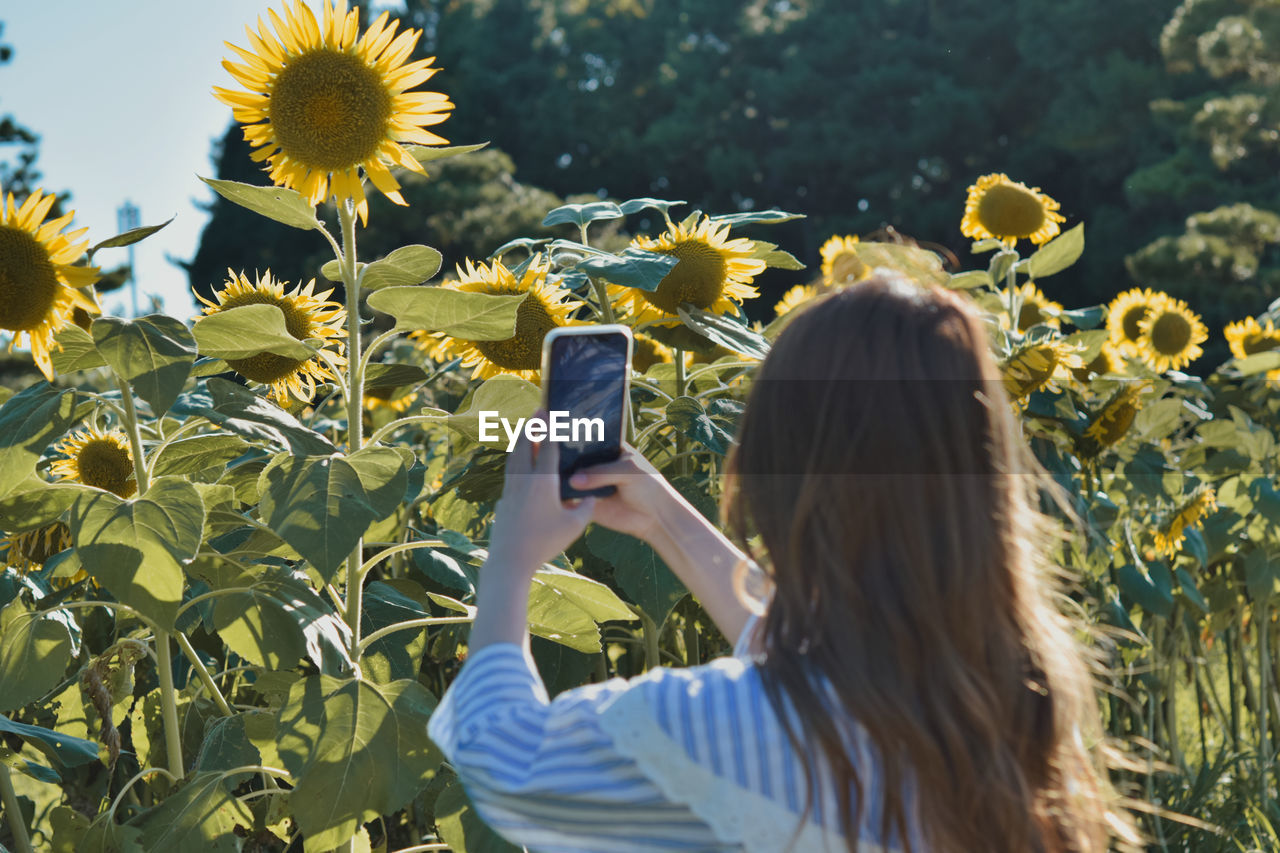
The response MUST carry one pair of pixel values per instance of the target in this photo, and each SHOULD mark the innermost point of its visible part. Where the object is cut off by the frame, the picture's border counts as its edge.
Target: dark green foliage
(861, 115)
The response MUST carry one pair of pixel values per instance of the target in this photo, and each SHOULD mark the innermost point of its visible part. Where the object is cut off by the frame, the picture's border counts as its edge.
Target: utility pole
(129, 217)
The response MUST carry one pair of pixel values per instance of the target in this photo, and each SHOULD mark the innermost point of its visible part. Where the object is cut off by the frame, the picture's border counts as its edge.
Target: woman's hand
(531, 525)
(644, 498)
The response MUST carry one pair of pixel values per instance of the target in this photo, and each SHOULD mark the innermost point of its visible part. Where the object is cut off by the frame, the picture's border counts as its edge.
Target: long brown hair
(880, 463)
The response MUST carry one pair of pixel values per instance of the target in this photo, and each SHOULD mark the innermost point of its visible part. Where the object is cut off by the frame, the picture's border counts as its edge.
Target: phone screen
(586, 377)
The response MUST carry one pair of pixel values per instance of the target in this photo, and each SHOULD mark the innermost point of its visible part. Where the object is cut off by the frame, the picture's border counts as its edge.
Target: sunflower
(307, 315)
(39, 288)
(1170, 535)
(1171, 336)
(1125, 315)
(1037, 309)
(26, 551)
(99, 459)
(1247, 337)
(544, 308)
(1106, 361)
(713, 272)
(1117, 414)
(794, 298)
(1006, 210)
(397, 400)
(323, 105)
(647, 351)
(840, 262)
(1040, 365)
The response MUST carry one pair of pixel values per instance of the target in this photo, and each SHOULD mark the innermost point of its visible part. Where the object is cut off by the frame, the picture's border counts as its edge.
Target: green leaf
(356, 750)
(34, 653)
(630, 268)
(128, 238)
(764, 217)
(227, 745)
(136, 548)
(1139, 588)
(462, 829)
(636, 205)
(246, 331)
(1085, 318)
(397, 655)
(323, 505)
(970, 279)
(192, 455)
(990, 244)
(75, 350)
(594, 598)
(1261, 574)
(1259, 362)
(687, 415)
(285, 206)
(470, 316)
(278, 620)
(529, 244)
(200, 815)
(30, 421)
(34, 504)
(238, 409)
(638, 570)
(154, 354)
(565, 607)
(405, 266)
(393, 375)
(60, 748)
(40, 772)
(1058, 254)
(510, 396)
(426, 153)
(725, 331)
(332, 270)
(582, 214)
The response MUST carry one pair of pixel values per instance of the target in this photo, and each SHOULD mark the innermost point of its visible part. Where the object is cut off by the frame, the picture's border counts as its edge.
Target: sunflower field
(240, 549)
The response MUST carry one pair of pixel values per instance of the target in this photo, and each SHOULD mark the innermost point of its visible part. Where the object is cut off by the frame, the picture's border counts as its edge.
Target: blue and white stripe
(565, 776)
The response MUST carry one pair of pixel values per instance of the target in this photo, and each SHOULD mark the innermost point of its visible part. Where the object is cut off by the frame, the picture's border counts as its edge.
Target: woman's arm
(648, 507)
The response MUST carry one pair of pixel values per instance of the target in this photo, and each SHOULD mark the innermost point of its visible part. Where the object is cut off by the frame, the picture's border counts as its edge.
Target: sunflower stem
(1011, 286)
(355, 409)
(135, 435)
(682, 441)
(21, 841)
(602, 296)
(169, 705)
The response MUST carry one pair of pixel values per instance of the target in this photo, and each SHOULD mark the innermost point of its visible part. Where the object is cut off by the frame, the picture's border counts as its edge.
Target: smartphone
(586, 372)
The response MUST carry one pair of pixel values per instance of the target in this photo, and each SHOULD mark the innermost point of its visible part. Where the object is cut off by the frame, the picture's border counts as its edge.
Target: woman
(911, 684)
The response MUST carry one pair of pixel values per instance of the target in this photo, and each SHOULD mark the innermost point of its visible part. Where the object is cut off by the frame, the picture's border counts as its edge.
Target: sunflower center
(698, 278)
(28, 281)
(1129, 322)
(329, 109)
(523, 350)
(268, 367)
(106, 465)
(1011, 211)
(847, 266)
(1170, 334)
(1259, 343)
(1029, 315)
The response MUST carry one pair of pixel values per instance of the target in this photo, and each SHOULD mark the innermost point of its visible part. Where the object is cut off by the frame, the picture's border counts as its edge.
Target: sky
(119, 94)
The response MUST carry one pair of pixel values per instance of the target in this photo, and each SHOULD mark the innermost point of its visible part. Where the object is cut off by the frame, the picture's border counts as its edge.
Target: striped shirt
(676, 760)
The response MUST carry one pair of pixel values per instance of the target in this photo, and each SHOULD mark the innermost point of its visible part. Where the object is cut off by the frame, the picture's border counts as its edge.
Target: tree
(1220, 178)
(17, 175)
